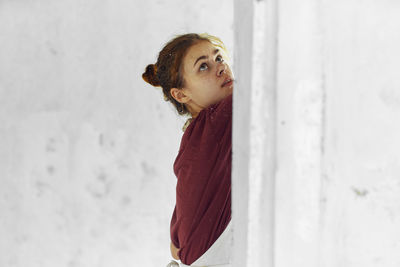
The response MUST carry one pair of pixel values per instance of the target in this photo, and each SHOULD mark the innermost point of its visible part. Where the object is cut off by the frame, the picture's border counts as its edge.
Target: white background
(86, 146)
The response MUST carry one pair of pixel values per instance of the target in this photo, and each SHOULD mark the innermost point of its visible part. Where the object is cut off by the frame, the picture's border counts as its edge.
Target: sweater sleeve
(203, 170)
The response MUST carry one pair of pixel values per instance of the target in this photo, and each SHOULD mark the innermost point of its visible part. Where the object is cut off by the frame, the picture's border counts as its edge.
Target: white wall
(86, 146)
(360, 215)
(254, 138)
(337, 174)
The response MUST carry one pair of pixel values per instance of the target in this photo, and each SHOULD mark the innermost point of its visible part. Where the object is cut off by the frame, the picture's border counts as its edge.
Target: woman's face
(204, 71)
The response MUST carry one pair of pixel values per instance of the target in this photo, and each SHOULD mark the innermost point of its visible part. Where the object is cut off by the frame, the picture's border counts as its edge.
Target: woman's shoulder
(224, 103)
(212, 120)
(219, 110)
(208, 129)
(220, 113)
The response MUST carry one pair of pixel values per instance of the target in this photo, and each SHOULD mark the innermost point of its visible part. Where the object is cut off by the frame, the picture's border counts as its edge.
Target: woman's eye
(204, 64)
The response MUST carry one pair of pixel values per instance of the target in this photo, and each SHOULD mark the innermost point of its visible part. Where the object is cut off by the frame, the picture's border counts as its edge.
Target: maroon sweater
(203, 190)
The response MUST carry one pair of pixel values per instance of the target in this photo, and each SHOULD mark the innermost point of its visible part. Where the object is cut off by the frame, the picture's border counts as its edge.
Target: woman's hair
(167, 71)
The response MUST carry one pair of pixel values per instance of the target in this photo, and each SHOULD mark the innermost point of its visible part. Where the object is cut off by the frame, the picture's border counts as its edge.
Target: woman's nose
(221, 69)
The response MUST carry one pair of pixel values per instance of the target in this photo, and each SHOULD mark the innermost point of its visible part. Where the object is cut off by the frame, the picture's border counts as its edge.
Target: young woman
(195, 76)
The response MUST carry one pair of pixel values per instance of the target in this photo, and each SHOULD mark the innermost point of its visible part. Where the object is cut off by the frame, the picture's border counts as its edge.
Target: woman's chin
(229, 90)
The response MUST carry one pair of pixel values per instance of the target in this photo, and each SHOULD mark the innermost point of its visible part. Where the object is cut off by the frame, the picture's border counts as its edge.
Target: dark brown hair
(167, 71)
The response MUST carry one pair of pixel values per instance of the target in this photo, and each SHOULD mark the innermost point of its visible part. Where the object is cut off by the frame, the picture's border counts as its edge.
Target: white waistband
(180, 264)
(218, 255)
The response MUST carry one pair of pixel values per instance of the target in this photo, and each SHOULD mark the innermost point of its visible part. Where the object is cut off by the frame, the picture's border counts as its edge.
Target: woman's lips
(228, 83)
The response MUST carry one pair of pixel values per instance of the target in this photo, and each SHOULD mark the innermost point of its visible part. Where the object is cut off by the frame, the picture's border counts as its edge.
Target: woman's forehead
(201, 48)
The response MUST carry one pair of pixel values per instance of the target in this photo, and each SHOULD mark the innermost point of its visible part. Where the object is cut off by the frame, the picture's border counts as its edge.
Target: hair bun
(150, 75)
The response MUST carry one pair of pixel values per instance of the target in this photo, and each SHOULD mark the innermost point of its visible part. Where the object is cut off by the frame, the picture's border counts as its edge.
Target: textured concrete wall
(253, 133)
(360, 190)
(337, 176)
(86, 147)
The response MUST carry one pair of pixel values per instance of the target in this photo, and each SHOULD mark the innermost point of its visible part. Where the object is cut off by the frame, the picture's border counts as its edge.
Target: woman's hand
(174, 251)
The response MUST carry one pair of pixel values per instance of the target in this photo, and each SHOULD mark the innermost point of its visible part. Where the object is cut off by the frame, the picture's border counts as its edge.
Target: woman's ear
(179, 95)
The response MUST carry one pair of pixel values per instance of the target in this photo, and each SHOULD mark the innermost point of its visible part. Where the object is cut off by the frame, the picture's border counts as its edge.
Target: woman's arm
(174, 251)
